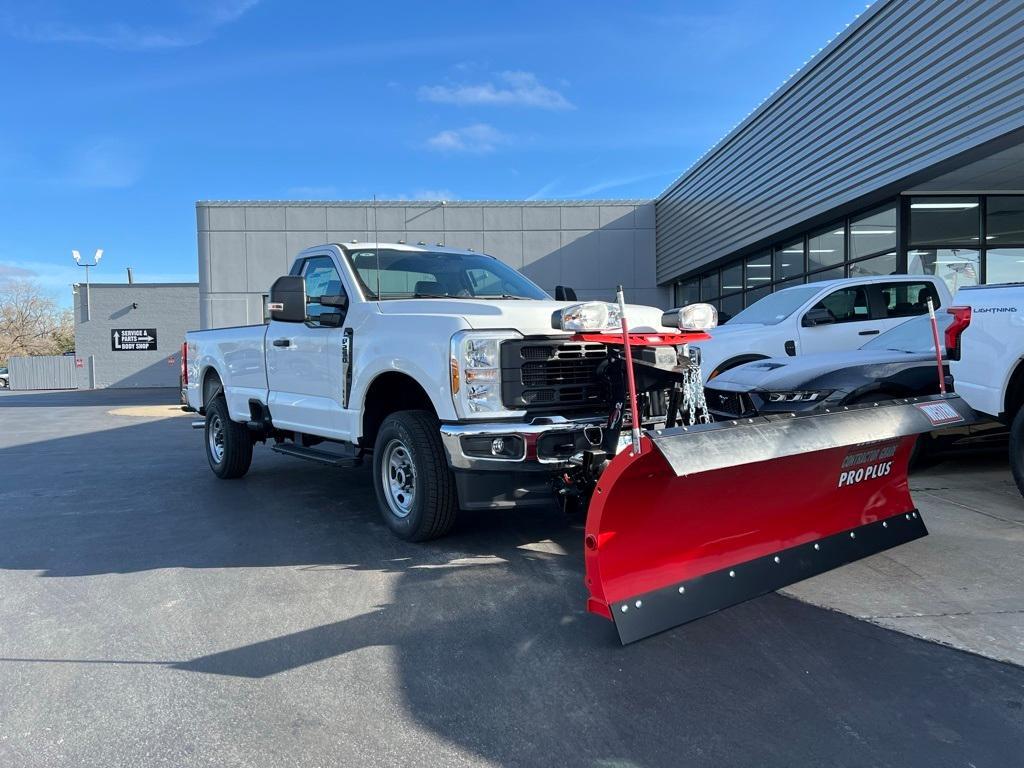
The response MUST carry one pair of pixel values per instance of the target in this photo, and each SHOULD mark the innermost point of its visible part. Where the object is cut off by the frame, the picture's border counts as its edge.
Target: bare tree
(31, 323)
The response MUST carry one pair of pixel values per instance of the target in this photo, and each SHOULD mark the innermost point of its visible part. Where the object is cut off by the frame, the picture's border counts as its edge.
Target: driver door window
(322, 279)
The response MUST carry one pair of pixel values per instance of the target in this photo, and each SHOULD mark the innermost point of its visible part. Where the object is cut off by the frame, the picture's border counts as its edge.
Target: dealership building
(898, 148)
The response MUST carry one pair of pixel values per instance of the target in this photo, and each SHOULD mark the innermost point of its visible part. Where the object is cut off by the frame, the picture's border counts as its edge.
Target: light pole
(95, 263)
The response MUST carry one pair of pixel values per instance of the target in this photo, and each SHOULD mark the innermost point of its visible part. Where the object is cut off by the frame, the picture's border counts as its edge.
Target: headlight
(588, 316)
(796, 396)
(692, 317)
(475, 367)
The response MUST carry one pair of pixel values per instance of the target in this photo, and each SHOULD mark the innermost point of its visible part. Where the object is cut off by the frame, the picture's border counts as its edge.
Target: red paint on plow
(648, 529)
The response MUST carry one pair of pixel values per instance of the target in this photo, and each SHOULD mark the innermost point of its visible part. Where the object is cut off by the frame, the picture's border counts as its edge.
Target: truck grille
(545, 374)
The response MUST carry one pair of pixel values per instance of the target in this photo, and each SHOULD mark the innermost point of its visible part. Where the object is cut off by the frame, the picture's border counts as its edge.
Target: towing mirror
(817, 316)
(338, 301)
(564, 293)
(288, 299)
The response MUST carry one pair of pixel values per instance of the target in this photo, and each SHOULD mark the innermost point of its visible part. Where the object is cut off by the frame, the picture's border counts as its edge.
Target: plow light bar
(692, 317)
(588, 316)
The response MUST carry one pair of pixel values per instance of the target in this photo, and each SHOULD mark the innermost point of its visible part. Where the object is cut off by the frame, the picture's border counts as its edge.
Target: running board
(321, 457)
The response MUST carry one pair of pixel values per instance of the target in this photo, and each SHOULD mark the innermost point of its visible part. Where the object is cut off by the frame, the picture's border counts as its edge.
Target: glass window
(395, 274)
(886, 264)
(731, 306)
(789, 260)
(908, 299)
(794, 281)
(914, 336)
(757, 294)
(732, 277)
(957, 266)
(709, 286)
(828, 274)
(759, 270)
(776, 307)
(944, 220)
(322, 279)
(1005, 265)
(826, 248)
(687, 292)
(1004, 220)
(873, 233)
(846, 305)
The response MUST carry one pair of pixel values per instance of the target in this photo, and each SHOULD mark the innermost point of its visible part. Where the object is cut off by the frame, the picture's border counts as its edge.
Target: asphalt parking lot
(153, 615)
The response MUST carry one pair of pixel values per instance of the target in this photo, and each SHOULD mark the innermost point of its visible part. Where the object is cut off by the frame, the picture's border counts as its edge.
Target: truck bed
(240, 352)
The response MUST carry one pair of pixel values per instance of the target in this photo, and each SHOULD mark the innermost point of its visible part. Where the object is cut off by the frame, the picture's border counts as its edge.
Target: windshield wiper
(500, 296)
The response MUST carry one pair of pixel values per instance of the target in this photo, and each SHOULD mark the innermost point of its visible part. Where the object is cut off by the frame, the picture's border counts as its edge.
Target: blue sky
(118, 116)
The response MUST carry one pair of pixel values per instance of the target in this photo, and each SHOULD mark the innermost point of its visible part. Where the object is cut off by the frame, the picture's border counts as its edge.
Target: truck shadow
(486, 630)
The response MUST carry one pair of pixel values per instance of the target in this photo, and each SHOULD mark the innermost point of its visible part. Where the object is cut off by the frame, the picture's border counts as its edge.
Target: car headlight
(692, 317)
(796, 396)
(588, 316)
(475, 369)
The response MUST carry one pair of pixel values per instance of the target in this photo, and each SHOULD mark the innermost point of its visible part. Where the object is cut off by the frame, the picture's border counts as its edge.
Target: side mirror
(288, 299)
(564, 293)
(338, 301)
(817, 316)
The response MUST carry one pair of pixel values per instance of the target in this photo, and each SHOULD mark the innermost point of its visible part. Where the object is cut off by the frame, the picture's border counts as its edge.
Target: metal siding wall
(917, 83)
(42, 372)
(171, 309)
(590, 245)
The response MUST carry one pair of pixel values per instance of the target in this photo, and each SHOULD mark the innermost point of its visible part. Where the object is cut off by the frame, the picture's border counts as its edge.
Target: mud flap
(709, 516)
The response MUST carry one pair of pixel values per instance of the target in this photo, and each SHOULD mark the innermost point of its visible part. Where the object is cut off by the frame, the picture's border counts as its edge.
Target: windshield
(393, 274)
(775, 307)
(913, 336)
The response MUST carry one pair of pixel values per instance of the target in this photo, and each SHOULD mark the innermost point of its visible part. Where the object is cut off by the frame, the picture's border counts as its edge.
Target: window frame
(300, 270)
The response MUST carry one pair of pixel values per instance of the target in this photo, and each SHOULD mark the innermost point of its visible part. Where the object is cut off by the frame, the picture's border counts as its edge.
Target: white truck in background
(985, 344)
(828, 316)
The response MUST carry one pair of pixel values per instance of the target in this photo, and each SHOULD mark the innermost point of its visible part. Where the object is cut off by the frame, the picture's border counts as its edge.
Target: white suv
(832, 315)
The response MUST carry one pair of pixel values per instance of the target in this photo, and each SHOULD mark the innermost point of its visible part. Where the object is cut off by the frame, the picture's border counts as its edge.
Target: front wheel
(228, 444)
(1017, 450)
(415, 488)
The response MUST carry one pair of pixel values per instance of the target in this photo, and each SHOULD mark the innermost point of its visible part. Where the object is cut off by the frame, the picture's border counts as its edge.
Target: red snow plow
(683, 521)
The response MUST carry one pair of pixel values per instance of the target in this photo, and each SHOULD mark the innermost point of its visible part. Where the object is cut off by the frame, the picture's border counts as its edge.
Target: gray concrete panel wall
(170, 308)
(42, 372)
(911, 85)
(589, 245)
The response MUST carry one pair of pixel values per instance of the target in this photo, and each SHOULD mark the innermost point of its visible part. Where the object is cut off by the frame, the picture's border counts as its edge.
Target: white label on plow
(940, 413)
(854, 476)
(861, 465)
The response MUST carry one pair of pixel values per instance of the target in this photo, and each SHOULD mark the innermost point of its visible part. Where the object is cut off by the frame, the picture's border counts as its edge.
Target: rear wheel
(1017, 450)
(415, 488)
(228, 443)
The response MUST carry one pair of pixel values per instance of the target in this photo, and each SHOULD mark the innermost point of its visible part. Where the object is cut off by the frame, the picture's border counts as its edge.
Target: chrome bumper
(530, 433)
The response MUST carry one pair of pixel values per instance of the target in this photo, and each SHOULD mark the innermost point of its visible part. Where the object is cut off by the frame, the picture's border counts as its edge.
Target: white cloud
(479, 138)
(520, 89)
(198, 22)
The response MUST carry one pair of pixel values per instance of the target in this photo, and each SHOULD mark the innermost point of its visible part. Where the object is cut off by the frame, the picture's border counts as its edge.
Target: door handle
(861, 333)
(282, 342)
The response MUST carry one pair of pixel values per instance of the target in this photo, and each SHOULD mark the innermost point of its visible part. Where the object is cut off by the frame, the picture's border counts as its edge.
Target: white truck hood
(530, 317)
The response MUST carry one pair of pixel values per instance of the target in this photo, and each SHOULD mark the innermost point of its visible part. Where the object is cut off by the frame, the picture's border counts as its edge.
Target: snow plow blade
(711, 515)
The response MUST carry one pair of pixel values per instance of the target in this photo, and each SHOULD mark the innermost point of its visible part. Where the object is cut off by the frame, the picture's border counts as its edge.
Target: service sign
(133, 339)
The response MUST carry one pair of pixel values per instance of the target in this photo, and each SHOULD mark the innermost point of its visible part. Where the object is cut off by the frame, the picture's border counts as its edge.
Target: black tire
(1017, 450)
(409, 442)
(235, 453)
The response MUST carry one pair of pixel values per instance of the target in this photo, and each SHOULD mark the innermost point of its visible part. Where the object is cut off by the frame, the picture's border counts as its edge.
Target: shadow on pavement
(486, 629)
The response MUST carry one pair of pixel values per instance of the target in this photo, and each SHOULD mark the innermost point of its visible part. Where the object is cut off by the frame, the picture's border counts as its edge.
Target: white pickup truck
(462, 378)
(985, 344)
(829, 316)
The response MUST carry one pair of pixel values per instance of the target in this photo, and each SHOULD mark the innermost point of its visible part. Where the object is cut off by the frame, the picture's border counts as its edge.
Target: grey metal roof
(416, 203)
